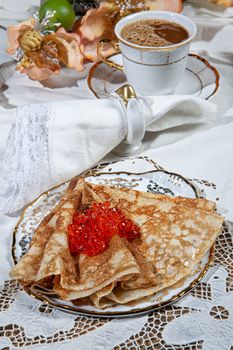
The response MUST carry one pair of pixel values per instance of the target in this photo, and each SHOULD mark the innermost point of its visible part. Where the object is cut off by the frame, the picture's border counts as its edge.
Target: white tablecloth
(200, 151)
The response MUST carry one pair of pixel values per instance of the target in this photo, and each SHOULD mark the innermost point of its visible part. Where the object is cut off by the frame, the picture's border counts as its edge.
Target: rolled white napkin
(50, 143)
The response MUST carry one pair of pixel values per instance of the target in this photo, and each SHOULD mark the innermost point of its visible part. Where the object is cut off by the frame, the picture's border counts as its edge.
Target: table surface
(204, 319)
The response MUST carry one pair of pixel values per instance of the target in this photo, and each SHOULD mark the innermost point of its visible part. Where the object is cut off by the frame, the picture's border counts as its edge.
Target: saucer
(199, 79)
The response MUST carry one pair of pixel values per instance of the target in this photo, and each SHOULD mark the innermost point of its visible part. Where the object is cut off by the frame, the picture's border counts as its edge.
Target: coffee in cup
(154, 33)
(154, 47)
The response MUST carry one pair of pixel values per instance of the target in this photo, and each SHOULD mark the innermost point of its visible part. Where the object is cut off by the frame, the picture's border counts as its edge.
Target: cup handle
(109, 62)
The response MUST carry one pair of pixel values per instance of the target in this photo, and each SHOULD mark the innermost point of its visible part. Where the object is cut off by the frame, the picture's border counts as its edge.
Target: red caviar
(92, 230)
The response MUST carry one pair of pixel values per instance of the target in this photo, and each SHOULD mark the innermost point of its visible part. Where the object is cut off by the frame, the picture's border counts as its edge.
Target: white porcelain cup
(153, 70)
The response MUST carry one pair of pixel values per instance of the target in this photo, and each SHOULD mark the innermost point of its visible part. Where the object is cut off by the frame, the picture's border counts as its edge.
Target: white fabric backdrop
(203, 151)
(52, 142)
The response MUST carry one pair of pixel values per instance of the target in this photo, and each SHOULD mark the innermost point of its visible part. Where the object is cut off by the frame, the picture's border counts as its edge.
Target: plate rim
(110, 314)
(199, 57)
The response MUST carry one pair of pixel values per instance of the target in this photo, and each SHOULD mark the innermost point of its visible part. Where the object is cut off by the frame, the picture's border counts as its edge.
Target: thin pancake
(111, 193)
(78, 276)
(27, 268)
(147, 277)
(99, 300)
(174, 247)
(175, 241)
(57, 259)
(122, 296)
(174, 236)
(97, 272)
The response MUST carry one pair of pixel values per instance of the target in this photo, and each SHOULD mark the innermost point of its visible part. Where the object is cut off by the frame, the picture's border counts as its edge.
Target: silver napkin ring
(135, 121)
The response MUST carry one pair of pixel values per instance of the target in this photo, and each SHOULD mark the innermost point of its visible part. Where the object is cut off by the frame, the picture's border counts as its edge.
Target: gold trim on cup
(155, 15)
(156, 48)
(154, 65)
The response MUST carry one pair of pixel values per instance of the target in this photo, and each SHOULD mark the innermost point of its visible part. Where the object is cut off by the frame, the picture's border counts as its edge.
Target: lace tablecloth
(204, 318)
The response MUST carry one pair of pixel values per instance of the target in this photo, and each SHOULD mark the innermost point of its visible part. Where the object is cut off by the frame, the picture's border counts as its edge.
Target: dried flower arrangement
(54, 36)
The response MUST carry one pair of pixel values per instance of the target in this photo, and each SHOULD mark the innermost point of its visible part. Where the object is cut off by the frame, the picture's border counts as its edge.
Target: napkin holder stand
(134, 118)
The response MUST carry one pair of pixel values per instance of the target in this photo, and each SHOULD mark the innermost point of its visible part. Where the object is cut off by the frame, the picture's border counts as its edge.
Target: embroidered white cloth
(50, 143)
(199, 321)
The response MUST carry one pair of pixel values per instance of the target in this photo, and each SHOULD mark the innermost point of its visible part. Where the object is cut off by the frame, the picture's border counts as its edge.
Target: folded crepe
(97, 272)
(123, 195)
(75, 276)
(175, 234)
(27, 268)
(99, 298)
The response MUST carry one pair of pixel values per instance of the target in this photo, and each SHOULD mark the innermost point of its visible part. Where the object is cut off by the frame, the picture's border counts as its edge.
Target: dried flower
(95, 25)
(44, 26)
(30, 40)
(15, 32)
(39, 51)
(69, 48)
(99, 23)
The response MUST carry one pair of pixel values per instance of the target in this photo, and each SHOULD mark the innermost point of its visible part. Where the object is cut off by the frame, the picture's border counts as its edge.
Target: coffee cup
(152, 70)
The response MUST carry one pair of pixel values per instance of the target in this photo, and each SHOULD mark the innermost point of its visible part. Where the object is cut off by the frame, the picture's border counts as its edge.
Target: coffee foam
(143, 33)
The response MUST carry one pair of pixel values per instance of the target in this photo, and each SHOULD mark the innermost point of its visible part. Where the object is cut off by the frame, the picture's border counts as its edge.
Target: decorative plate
(200, 78)
(155, 181)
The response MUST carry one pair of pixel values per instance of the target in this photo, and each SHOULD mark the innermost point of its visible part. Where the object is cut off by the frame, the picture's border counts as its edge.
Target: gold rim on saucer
(208, 83)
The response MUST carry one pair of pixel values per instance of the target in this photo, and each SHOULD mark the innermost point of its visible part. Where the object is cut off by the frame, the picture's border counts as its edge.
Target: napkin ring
(135, 121)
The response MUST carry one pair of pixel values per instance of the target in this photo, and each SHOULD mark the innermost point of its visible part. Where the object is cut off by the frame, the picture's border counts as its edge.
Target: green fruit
(64, 12)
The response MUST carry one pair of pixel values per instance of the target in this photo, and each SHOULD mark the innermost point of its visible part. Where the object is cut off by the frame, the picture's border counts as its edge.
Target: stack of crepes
(175, 234)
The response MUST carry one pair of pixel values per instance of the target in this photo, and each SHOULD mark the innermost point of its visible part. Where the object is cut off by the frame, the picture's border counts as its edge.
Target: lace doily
(31, 164)
(202, 320)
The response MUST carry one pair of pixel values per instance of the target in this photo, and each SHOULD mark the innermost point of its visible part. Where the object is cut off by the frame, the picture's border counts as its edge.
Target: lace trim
(27, 155)
(203, 320)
